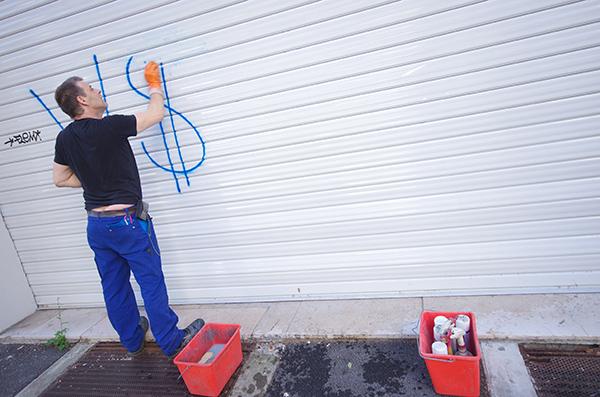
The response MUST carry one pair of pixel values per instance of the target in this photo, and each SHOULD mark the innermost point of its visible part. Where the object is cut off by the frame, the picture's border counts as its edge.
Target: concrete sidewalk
(502, 321)
(565, 317)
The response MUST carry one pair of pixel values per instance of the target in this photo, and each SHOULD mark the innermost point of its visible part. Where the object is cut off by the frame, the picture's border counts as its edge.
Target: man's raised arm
(156, 110)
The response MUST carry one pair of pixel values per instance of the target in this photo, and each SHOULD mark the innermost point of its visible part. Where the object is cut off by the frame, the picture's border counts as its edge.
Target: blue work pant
(123, 245)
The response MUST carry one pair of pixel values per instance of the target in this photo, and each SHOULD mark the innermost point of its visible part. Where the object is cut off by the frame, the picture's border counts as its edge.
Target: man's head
(77, 98)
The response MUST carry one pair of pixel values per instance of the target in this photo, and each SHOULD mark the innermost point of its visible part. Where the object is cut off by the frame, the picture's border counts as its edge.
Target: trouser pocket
(143, 224)
(148, 230)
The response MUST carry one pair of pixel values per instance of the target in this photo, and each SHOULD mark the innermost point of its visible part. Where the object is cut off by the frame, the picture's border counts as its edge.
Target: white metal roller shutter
(353, 148)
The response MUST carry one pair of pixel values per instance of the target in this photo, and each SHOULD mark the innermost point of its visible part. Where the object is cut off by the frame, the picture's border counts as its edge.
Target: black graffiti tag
(25, 137)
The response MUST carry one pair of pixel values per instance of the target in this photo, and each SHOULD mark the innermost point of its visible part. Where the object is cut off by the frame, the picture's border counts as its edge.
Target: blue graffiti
(171, 168)
(164, 79)
(36, 96)
(178, 114)
(101, 82)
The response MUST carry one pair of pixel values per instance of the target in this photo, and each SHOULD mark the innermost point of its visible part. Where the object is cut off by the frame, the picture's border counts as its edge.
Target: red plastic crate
(451, 375)
(209, 379)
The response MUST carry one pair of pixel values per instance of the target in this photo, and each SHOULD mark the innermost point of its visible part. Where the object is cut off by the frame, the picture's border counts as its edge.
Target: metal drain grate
(107, 370)
(564, 370)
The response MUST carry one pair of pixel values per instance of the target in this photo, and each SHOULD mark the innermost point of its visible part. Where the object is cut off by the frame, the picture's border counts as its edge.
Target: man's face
(92, 97)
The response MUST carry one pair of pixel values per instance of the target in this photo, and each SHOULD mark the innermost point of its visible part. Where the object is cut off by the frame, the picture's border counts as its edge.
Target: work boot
(189, 332)
(144, 324)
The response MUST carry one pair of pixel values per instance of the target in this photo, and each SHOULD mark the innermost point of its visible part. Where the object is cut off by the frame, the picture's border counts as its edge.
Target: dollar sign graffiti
(171, 169)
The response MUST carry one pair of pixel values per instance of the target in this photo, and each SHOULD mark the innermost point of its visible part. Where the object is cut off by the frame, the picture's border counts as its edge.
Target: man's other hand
(63, 176)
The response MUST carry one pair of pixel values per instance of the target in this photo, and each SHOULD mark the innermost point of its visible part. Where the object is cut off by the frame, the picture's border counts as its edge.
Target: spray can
(439, 348)
(438, 327)
(438, 332)
(440, 320)
(464, 322)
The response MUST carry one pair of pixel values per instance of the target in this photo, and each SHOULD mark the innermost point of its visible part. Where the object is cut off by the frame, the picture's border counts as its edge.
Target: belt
(109, 214)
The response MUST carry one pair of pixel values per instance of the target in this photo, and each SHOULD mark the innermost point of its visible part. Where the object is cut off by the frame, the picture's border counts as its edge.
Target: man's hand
(156, 110)
(152, 75)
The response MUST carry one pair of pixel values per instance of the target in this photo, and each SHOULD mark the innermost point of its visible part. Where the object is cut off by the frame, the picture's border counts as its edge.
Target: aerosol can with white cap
(439, 348)
(442, 331)
(440, 320)
(464, 322)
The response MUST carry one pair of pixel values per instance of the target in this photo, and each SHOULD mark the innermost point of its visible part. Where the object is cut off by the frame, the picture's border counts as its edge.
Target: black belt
(109, 214)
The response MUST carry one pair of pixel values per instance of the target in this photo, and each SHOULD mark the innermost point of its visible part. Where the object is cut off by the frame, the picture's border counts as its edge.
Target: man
(93, 152)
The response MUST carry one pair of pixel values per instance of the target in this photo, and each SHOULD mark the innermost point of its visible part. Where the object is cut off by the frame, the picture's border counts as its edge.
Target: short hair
(66, 96)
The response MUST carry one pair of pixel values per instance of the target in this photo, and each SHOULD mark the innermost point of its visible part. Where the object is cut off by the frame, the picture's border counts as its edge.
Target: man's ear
(82, 100)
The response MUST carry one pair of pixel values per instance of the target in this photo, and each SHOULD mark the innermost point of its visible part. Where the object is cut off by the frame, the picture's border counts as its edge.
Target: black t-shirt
(100, 155)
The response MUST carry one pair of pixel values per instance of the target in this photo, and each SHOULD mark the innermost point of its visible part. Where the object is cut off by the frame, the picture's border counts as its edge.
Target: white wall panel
(16, 295)
(353, 149)
(40, 13)
(11, 9)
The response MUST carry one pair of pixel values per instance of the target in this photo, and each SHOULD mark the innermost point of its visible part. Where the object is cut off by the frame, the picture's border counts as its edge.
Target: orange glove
(152, 75)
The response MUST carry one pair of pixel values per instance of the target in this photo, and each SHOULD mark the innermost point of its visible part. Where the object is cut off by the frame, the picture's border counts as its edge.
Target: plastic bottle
(458, 334)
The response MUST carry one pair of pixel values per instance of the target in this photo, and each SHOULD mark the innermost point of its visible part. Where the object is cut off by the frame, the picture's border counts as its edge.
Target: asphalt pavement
(351, 368)
(21, 363)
